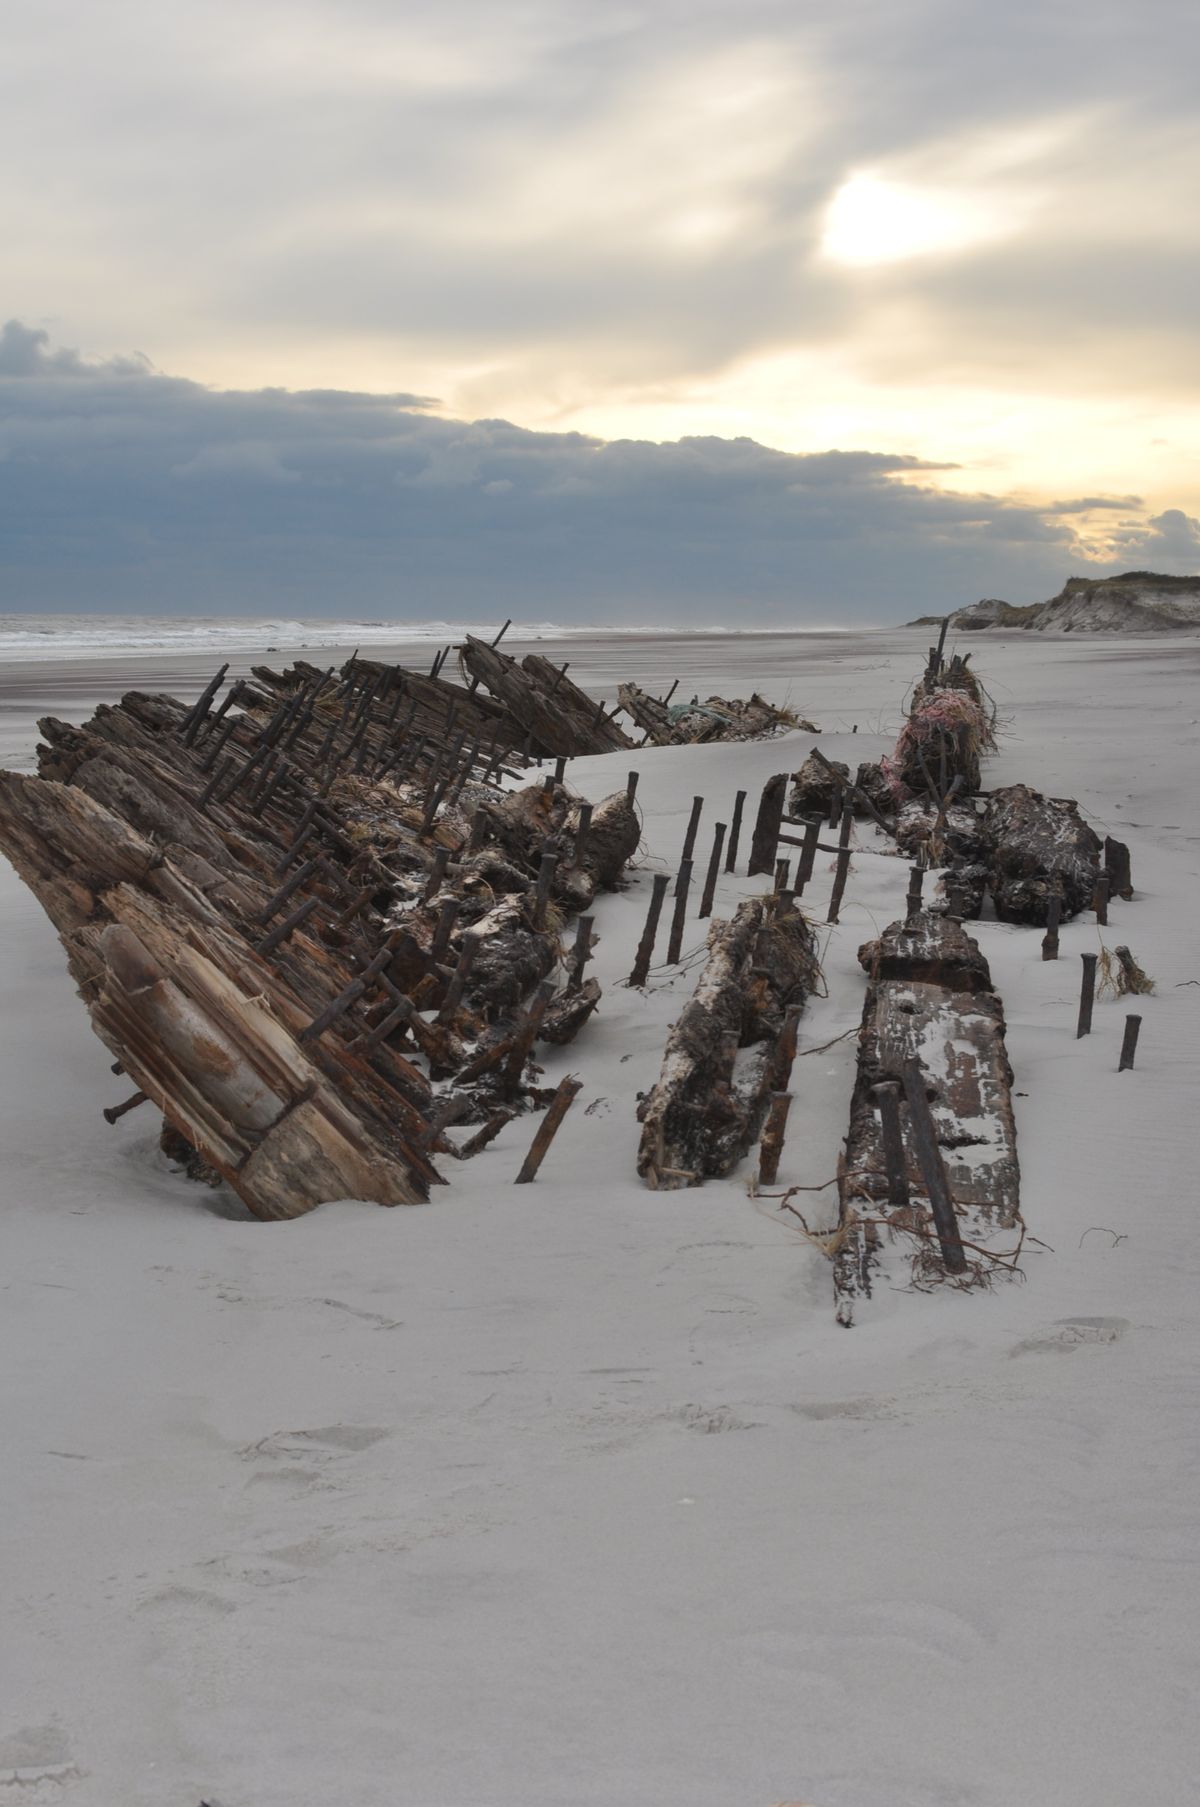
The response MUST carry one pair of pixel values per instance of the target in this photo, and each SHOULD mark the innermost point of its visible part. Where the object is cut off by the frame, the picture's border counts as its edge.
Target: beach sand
(576, 1493)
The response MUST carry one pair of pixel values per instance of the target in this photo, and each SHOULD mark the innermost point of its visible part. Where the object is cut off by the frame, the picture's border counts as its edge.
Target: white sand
(576, 1493)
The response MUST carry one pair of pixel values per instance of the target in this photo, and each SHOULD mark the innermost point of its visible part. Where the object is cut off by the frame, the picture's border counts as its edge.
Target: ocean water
(37, 637)
(118, 636)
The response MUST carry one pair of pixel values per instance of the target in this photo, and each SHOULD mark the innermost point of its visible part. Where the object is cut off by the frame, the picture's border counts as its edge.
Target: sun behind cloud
(872, 220)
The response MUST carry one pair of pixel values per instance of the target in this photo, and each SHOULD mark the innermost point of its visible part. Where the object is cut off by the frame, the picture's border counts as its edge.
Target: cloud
(1170, 541)
(575, 198)
(124, 487)
(24, 351)
(1089, 504)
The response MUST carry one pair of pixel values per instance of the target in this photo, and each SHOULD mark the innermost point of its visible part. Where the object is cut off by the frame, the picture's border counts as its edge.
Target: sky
(749, 312)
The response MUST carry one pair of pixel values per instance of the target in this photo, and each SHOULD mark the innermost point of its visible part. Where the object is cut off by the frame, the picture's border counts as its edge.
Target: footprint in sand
(36, 1764)
(177, 1597)
(1068, 1334)
(301, 1458)
(322, 1444)
(711, 1420)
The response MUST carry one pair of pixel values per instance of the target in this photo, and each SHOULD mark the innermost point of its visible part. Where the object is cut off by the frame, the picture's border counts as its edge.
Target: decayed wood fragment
(933, 949)
(714, 718)
(1039, 847)
(767, 825)
(814, 787)
(729, 1048)
(648, 714)
(552, 709)
(568, 1012)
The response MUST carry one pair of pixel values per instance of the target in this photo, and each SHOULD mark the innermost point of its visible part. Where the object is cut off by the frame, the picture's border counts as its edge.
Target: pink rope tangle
(949, 712)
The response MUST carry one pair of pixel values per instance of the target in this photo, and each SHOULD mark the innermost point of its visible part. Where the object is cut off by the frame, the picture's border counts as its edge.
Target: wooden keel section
(929, 1002)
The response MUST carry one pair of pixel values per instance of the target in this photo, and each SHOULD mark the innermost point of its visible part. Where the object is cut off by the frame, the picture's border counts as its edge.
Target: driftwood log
(711, 1097)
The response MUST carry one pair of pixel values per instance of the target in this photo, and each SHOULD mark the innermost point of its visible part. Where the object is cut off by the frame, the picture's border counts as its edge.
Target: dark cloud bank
(121, 488)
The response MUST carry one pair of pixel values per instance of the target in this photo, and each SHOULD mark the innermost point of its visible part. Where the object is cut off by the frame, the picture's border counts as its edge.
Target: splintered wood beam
(208, 794)
(212, 722)
(437, 872)
(808, 852)
(843, 864)
(710, 877)
(682, 884)
(767, 826)
(887, 1096)
(693, 829)
(191, 722)
(1100, 899)
(773, 1135)
(1116, 862)
(524, 1038)
(857, 791)
(1050, 938)
(299, 877)
(1087, 995)
(462, 972)
(940, 647)
(564, 1097)
(581, 952)
(581, 834)
(288, 926)
(447, 916)
(735, 831)
(545, 878)
(114, 1112)
(932, 1170)
(1128, 1045)
(355, 990)
(645, 948)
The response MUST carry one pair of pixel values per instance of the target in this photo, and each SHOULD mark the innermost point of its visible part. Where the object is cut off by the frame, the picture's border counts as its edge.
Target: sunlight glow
(871, 220)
